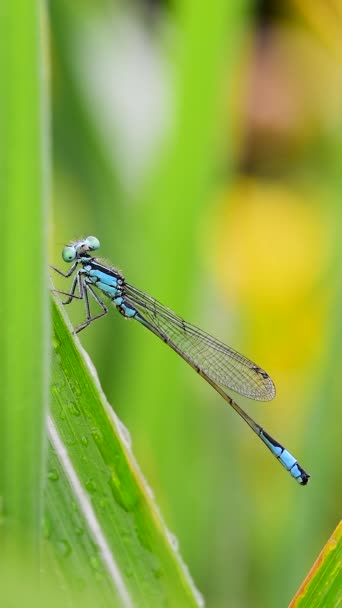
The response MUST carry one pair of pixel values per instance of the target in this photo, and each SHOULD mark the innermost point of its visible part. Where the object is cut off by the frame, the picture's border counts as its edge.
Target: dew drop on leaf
(90, 485)
(63, 548)
(53, 475)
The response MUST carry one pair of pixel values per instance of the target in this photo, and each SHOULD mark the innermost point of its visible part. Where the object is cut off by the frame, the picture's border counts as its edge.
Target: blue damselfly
(221, 366)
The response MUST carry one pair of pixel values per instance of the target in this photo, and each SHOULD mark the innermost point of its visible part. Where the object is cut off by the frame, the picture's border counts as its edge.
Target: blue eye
(69, 254)
(92, 242)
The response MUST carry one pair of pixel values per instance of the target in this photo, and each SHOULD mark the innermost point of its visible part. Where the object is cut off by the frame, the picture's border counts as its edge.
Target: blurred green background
(202, 144)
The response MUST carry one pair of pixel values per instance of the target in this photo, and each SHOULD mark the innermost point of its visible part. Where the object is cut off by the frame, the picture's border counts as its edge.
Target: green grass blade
(24, 298)
(100, 518)
(322, 587)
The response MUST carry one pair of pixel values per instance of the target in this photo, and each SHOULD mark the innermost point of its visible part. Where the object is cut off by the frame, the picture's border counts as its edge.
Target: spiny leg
(71, 294)
(85, 289)
(69, 273)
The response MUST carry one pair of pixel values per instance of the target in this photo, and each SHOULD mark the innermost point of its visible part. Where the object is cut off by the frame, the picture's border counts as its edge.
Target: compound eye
(69, 254)
(92, 242)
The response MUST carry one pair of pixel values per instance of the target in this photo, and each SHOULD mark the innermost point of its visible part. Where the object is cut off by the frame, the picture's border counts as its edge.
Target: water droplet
(157, 570)
(53, 475)
(124, 433)
(71, 440)
(90, 485)
(97, 435)
(84, 440)
(54, 390)
(55, 342)
(61, 381)
(78, 530)
(46, 528)
(94, 562)
(173, 540)
(64, 548)
(74, 387)
(73, 409)
(125, 495)
(149, 490)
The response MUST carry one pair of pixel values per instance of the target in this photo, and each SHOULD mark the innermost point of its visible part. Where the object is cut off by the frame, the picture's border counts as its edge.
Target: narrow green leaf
(24, 298)
(322, 587)
(101, 521)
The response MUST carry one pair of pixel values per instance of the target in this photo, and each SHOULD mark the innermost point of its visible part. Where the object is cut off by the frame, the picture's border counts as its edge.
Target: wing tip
(269, 388)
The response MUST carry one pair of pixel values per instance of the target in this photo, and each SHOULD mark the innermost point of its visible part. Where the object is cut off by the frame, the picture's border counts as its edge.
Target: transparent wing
(220, 362)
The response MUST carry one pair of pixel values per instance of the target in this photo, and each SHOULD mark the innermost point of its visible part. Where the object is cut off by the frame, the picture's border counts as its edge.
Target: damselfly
(221, 366)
